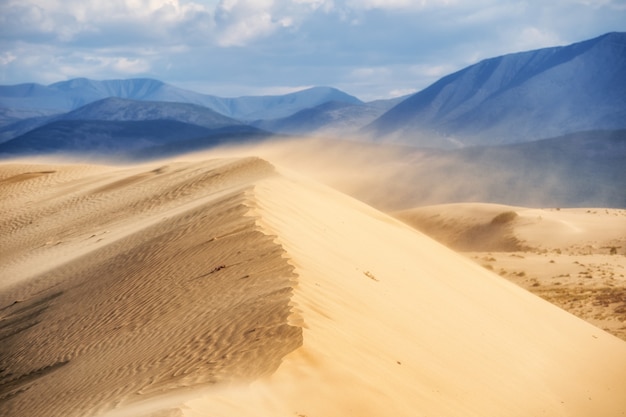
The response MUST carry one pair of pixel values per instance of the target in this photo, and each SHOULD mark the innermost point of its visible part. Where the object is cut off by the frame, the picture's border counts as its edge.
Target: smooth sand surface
(574, 258)
(223, 287)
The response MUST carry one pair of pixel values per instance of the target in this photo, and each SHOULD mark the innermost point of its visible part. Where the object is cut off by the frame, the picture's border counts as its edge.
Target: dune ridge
(397, 324)
(161, 280)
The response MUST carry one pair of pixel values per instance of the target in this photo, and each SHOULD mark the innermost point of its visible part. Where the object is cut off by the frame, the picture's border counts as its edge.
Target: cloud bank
(370, 48)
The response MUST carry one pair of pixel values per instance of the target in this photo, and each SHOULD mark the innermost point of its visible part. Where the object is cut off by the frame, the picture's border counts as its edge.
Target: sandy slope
(575, 258)
(121, 284)
(220, 288)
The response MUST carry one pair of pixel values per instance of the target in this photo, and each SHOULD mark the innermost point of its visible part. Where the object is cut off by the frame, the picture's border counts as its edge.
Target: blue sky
(369, 48)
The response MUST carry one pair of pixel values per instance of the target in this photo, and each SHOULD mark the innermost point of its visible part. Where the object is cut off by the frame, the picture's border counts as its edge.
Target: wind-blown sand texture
(574, 258)
(220, 288)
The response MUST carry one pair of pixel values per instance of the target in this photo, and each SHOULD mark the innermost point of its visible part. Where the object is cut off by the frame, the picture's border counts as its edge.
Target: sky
(373, 49)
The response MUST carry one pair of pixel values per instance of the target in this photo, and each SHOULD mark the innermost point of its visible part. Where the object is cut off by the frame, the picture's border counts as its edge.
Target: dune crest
(396, 324)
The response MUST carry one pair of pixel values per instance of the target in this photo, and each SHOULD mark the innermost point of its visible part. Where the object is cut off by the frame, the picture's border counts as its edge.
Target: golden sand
(225, 287)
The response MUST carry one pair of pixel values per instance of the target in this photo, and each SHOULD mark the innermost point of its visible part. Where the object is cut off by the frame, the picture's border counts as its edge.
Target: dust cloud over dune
(578, 170)
(196, 287)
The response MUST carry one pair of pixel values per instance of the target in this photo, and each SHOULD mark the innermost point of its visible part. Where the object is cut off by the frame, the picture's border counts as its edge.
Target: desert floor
(574, 258)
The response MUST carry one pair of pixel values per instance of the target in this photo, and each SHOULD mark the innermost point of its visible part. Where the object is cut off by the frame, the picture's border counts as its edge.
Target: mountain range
(69, 95)
(567, 92)
(331, 118)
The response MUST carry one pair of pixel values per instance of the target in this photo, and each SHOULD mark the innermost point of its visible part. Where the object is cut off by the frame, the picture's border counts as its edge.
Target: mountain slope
(518, 97)
(124, 138)
(272, 107)
(70, 95)
(329, 118)
(118, 109)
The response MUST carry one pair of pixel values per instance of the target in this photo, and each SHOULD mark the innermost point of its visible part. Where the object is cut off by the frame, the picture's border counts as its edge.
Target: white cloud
(492, 12)
(431, 71)
(117, 66)
(240, 21)
(325, 5)
(6, 58)
(402, 4)
(401, 92)
(130, 66)
(68, 21)
(532, 37)
(367, 73)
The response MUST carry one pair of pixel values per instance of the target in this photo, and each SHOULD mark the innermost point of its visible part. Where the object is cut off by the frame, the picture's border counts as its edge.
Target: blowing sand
(223, 287)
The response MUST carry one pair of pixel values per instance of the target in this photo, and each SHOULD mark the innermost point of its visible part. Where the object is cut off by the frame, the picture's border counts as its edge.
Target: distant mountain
(272, 107)
(518, 97)
(329, 118)
(69, 95)
(124, 138)
(11, 116)
(117, 109)
(584, 169)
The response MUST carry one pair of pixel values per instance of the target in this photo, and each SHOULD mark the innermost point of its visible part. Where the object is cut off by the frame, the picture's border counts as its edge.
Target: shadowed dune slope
(119, 285)
(220, 288)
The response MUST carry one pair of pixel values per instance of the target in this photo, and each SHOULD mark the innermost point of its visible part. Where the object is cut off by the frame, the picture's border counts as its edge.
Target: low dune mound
(136, 282)
(480, 227)
(507, 228)
(225, 288)
(574, 258)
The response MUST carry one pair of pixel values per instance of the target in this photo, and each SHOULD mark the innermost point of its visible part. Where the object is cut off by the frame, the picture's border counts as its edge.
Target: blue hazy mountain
(331, 118)
(118, 109)
(115, 126)
(518, 97)
(146, 138)
(69, 95)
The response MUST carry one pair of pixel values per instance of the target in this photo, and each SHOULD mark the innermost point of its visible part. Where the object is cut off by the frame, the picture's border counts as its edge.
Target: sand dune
(575, 258)
(223, 287)
(130, 283)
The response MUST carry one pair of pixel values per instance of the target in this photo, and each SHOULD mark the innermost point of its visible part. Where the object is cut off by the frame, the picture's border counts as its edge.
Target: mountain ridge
(120, 109)
(69, 95)
(519, 96)
(134, 139)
